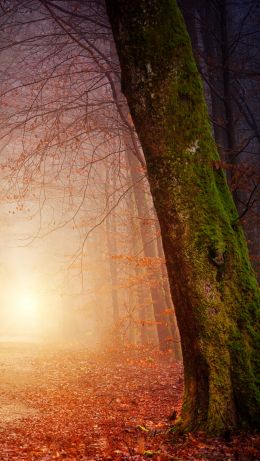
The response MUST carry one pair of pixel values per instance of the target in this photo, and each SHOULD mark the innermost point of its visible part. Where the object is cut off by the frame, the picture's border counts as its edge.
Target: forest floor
(78, 405)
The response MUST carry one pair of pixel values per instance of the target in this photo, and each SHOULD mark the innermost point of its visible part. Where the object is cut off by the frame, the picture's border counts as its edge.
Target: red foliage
(93, 406)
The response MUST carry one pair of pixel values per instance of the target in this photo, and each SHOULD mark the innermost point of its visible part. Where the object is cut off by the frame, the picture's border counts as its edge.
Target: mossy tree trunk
(213, 287)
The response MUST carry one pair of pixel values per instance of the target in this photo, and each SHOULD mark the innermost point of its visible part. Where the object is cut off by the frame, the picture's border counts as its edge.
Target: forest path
(80, 405)
(75, 404)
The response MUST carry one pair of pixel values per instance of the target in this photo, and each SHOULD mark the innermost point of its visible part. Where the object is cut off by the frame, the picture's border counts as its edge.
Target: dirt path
(80, 405)
(77, 405)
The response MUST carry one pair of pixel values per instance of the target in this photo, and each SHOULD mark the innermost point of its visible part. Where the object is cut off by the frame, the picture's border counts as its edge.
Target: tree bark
(147, 235)
(169, 304)
(222, 52)
(214, 289)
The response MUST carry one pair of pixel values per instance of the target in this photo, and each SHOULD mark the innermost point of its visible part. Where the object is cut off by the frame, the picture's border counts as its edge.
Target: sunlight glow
(28, 310)
(27, 304)
(24, 311)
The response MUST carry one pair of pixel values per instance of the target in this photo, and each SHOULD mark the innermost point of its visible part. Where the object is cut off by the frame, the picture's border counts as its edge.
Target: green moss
(205, 246)
(202, 198)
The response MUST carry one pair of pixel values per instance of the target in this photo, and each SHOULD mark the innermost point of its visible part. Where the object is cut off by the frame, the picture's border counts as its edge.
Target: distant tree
(214, 289)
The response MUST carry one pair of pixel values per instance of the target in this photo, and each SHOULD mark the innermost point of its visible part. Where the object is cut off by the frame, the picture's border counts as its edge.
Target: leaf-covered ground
(78, 405)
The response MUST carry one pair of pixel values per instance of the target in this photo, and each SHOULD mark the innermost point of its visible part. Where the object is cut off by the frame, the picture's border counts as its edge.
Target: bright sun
(27, 303)
(24, 311)
(28, 310)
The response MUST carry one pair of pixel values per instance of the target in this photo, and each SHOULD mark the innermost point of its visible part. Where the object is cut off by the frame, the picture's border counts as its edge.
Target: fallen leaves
(91, 406)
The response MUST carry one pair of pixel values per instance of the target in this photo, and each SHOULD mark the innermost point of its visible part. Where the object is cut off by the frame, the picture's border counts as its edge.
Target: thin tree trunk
(149, 249)
(143, 295)
(112, 248)
(111, 234)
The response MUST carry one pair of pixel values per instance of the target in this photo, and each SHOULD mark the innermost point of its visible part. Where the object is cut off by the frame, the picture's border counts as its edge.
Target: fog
(82, 257)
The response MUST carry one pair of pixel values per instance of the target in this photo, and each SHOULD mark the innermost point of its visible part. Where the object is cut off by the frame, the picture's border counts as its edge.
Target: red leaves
(144, 261)
(87, 406)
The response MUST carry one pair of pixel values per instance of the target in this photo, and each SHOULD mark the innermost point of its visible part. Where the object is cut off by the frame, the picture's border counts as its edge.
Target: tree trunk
(214, 290)
(232, 96)
(149, 249)
(169, 304)
(147, 235)
(111, 233)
